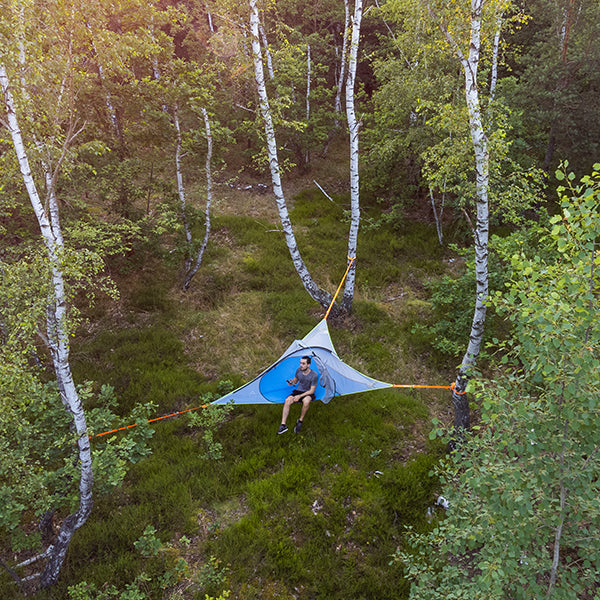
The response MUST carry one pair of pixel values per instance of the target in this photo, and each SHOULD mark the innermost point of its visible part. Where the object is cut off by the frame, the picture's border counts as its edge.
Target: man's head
(304, 363)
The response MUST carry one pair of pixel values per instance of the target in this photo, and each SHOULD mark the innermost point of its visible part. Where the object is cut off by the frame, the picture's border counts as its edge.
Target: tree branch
(30, 561)
(12, 573)
(324, 192)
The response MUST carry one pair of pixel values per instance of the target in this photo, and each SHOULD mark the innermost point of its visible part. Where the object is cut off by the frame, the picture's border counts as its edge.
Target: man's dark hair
(307, 359)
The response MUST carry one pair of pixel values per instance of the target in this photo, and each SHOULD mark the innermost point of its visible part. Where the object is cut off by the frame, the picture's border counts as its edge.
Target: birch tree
(195, 266)
(57, 336)
(343, 53)
(316, 293)
(341, 77)
(40, 117)
(353, 128)
(470, 62)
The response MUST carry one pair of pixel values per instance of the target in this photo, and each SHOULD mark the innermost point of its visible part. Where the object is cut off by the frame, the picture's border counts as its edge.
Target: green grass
(315, 515)
(332, 500)
(143, 364)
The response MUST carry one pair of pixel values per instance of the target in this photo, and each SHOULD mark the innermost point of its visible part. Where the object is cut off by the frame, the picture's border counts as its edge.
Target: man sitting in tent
(307, 381)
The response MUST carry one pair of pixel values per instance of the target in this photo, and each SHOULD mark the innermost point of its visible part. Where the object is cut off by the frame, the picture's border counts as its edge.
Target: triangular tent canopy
(335, 377)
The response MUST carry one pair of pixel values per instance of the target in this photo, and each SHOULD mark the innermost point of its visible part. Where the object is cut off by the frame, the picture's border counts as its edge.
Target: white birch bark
(209, 185)
(495, 49)
(470, 64)
(340, 87)
(181, 187)
(353, 127)
(265, 42)
(209, 17)
(58, 343)
(308, 75)
(49, 176)
(322, 297)
(437, 217)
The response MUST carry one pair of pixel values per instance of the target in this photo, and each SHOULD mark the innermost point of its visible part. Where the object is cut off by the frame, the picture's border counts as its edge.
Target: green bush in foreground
(524, 509)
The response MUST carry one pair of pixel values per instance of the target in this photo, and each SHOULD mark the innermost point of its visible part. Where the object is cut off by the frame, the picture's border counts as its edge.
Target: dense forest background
(183, 185)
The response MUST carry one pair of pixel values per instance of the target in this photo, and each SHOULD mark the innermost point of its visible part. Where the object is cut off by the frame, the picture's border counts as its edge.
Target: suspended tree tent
(336, 378)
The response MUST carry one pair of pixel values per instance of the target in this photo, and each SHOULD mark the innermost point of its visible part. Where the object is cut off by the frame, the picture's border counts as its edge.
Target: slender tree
(316, 293)
(470, 62)
(342, 75)
(341, 78)
(193, 268)
(353, 127)
(57, 339)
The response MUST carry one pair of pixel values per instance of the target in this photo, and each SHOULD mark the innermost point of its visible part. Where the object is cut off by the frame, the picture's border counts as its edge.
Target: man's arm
(309, 392)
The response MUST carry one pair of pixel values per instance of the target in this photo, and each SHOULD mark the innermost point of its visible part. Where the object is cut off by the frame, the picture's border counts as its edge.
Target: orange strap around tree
(351, 260)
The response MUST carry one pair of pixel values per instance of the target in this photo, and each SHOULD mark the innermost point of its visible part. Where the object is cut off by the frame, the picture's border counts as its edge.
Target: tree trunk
(208, 167)
(437, 217)
(181, 188)
(317, 294)
(353, 127)
(340, 84)
(496, 47)
(58, 341)
(480, 147)
(481, 233)
(263, 36)
(112, 113)
(340, 87)
(209, 17)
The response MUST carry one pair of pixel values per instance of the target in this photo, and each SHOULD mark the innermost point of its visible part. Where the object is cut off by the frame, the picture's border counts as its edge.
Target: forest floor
(313, 515)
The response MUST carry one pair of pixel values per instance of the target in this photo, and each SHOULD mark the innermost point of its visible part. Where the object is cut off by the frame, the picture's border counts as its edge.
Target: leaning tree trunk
(495, 51)
(316, 293)
(58, 342)
(209, 142)
(353, 127)
(481, 233)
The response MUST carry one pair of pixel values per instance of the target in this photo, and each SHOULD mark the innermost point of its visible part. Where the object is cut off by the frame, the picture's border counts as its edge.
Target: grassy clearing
(315, 515)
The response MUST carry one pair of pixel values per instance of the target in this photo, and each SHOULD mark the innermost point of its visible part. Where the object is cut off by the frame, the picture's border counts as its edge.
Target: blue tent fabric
(335, 377)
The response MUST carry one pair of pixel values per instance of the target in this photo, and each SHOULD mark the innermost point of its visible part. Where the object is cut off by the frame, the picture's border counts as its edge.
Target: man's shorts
(299, 393)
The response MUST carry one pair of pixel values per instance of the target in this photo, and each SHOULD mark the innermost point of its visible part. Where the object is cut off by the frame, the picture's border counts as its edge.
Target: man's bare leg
(305, 407)
(286, 409)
